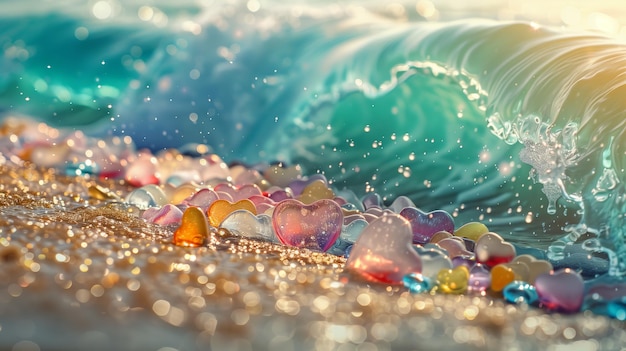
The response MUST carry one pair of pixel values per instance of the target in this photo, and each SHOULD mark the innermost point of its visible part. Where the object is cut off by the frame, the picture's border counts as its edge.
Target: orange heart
(193, 229)
(317, 190)
(505, 273)
(220, 209)
(453, 281)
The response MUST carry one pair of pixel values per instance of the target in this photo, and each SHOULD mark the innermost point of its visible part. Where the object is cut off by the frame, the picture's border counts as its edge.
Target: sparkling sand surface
(81, 270)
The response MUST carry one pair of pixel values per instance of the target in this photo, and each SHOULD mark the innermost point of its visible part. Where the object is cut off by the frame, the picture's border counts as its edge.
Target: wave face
(510, 123)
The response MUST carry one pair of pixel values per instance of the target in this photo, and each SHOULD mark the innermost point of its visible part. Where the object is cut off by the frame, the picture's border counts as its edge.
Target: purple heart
(299, 184)
(425, 225)
(316, 226)
(383, 252)
(560, 291)
(372, 200)
(280, 195)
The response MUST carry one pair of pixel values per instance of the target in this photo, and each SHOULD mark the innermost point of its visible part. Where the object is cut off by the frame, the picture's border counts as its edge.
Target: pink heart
(238, 193)
(262, 203)
(425, 225)
(560, 291)
(202, 199)
(250, 176)
(143, 170)
(384, 252)
(166, 215)
(491, 250)
(316, 226)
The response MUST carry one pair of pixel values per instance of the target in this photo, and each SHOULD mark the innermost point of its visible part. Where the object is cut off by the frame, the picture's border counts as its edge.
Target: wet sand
(81, 270)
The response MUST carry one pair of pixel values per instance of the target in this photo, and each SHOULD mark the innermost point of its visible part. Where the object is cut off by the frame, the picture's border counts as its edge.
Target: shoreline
(78, 272)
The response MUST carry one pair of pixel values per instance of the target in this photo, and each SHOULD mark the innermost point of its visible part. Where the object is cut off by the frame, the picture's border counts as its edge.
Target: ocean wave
(454, 114)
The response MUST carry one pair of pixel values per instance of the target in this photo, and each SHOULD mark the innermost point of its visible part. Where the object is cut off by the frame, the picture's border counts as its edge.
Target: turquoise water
(498, 114)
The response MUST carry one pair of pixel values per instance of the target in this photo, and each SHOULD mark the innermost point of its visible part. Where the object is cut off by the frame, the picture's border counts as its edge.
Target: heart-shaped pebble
(245, 223)
(166, 215)
(384, 253)
(216, 169)
(298, 185)
(262, 203)
(316, 190)
(425, 225)
(143, 170)
(505, 273)
(146, 197)
(349, 218)
(238, 193)
(453, 281)
(455, 247)
(181, 193)
(433, 260)
(519, 292)
(350, 232)
(400, 203)
(203, 198)
(417, 283)
(247, 176)
(535, 266)
(350, 197)
(472, 230)
(372, 200)
(438, 236)
(378, 212)
(282, 176)
(315, 226)
(560, 291)
(222, 208)
(479, 279)
(278, 195)
(491, 250)
(617, 308)
(193, 229)
(466, 261)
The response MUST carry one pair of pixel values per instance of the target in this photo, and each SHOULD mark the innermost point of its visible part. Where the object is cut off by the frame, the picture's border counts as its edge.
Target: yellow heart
(316, 190)
(193, 229)
(471, 230)
(453, 281)
(220, 209)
